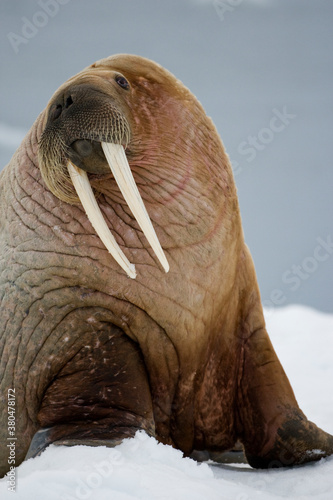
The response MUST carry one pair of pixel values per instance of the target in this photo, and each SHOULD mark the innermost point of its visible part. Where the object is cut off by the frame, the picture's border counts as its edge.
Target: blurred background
(263, 70)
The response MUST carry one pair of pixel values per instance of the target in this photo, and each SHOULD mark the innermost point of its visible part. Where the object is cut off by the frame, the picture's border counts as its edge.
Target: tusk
(82, 186)
(116, 158)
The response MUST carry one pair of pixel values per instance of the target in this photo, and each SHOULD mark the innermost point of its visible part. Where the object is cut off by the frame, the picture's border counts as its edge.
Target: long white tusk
(120, 168)
(82, 186)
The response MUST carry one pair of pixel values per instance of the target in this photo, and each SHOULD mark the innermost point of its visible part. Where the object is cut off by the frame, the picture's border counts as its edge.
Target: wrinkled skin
(94, 355)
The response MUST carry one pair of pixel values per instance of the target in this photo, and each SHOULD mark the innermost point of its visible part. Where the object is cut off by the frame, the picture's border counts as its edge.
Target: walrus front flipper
(274, 431)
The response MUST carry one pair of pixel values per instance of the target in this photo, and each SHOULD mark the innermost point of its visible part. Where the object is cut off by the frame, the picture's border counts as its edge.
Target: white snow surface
(141, 468)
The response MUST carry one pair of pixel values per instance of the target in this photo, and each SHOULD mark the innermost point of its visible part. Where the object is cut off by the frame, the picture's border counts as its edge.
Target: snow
(141, 468)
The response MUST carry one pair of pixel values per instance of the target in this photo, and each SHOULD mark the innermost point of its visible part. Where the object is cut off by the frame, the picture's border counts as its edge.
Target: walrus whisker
(52, 156)
(116, 158)
(84, 191)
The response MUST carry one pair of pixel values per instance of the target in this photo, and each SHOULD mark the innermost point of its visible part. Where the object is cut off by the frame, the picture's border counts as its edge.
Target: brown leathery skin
(200, 355)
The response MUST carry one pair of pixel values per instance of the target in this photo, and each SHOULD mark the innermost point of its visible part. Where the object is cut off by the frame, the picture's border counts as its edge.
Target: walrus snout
(79, 118)
(82, 111)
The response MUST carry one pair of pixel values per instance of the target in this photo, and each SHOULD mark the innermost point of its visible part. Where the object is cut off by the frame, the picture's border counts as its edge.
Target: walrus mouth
(117, 161)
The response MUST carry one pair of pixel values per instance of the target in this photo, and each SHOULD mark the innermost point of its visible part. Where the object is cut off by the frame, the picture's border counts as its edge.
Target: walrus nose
(59, 107)
(76, 97)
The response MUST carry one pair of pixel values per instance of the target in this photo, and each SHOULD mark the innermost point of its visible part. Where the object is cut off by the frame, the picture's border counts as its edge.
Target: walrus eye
(122, 82)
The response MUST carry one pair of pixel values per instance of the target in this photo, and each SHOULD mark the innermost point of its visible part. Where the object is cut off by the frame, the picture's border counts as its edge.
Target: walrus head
(90, 122)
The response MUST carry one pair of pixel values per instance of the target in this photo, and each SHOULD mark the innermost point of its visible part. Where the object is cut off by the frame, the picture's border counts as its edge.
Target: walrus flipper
(298, 441)
(276, 433)
(39, 443)
(45, 437)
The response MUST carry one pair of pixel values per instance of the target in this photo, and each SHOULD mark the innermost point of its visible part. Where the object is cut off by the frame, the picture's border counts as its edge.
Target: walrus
(129, 300)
